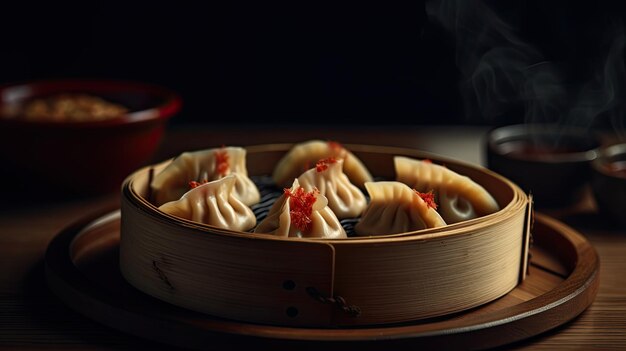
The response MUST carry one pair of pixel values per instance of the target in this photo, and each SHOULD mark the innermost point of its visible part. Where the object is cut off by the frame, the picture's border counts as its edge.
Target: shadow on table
(24, 191)
(43, 319)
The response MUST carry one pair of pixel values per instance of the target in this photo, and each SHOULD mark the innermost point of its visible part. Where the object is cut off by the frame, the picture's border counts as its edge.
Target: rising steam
(603, 95)
(502, 73)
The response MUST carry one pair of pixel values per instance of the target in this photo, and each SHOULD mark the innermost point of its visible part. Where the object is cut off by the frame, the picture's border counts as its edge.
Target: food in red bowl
(81, 136)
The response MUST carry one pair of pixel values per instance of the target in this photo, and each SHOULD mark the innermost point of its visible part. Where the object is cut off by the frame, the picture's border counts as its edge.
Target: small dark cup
(551, 162)
(609, 182)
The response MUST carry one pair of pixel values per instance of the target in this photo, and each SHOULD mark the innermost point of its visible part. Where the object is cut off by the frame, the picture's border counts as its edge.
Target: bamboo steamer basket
(261, 278)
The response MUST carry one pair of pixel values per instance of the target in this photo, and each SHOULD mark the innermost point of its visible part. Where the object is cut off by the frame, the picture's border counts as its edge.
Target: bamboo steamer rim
(374, 280)
(519, 201)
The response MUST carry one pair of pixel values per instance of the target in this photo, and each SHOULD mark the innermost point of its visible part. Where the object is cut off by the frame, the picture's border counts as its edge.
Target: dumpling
(459, 197)
(396, 208)
(298, 213)
(213, 203)
(193, 168)
(304, 155)
(344, 198)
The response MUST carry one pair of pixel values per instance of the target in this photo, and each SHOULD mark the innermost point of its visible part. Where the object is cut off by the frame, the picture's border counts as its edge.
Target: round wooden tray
(82, 268)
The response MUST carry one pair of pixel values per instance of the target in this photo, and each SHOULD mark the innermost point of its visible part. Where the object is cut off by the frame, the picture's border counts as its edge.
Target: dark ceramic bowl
(551, 162)
(608, 182)
(85, 157)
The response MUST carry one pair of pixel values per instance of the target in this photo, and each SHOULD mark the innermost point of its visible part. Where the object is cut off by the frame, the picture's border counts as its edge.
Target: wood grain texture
(91, 283)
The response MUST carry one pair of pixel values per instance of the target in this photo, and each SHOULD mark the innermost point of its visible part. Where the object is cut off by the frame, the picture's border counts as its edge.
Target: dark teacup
(551, 162)
(609, 182)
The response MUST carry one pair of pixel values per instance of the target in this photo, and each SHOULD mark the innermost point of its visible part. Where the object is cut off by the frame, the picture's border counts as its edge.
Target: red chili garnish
(221, 162)
(429, 198)
(193, 184)
(335, 147)
(322, 164)
(426, 160)
(301, 207)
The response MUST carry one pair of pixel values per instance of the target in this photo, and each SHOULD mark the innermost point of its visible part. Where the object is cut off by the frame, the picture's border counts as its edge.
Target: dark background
(339, 63)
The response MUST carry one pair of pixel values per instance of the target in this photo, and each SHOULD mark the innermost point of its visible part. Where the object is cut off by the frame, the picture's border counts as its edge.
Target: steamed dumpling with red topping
(191, 169)
(213, 203)
(459, 197)
(304, 155)
(344, 198)
(396, 208)
(302, 214)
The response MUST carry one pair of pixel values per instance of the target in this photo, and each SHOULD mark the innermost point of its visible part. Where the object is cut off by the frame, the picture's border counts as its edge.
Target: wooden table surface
(32, 317)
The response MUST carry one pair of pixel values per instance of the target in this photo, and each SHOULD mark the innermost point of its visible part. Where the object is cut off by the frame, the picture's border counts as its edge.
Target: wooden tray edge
(525, 320)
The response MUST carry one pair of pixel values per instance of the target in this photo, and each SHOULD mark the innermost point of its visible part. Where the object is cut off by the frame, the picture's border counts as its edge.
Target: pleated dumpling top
(458, 196)
(213, 203)
(203, 166)
(396, 208)
(303, 214)
(344, 198)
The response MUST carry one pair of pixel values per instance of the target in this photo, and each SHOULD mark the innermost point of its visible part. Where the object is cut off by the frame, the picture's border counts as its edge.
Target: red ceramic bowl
(86, 157)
